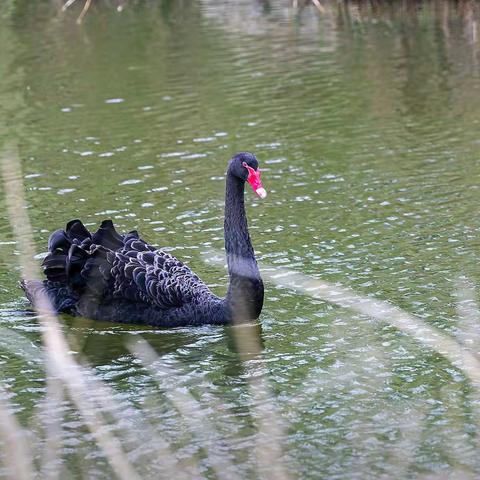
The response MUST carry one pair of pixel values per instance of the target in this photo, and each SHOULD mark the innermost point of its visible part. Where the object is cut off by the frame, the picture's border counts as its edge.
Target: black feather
(76, 229)
(59, 240)
(107, 236)
(76, 260)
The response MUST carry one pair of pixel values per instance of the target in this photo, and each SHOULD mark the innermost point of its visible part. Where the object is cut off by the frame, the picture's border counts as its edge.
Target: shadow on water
(88, 338)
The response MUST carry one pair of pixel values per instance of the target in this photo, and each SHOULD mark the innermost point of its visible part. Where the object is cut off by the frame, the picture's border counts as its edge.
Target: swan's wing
(140, 273)
(109, 266)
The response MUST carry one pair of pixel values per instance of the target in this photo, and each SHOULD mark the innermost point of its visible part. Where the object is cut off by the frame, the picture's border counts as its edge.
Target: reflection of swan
(113, 277)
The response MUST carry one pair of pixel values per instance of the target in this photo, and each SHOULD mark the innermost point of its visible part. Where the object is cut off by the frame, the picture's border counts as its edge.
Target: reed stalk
(58, 359)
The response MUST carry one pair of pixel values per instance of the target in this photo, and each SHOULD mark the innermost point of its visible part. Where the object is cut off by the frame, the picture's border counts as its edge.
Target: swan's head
(244, 165)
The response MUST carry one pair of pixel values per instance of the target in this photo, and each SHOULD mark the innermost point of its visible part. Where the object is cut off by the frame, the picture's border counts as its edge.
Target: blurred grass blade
(84, 11)
(190, 410)
(269, 451)
(379, 310)
(67, 4)
(16, 456)
(52, 403)
(59, 360)
(19, 345)
(468, 316)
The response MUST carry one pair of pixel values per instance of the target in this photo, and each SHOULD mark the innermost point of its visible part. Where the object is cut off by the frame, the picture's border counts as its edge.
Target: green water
(366, 125)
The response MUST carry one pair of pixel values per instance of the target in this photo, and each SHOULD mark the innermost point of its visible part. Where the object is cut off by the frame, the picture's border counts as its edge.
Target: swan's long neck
(245, 292)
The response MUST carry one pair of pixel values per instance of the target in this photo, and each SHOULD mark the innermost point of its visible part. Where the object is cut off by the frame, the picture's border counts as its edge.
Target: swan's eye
(254, 180)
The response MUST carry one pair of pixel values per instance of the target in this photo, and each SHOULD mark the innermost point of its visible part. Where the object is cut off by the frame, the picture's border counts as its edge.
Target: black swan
(120, 278)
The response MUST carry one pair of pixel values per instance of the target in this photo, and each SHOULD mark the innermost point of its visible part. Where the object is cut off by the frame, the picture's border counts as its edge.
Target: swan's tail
(69, 260)
(62, 298)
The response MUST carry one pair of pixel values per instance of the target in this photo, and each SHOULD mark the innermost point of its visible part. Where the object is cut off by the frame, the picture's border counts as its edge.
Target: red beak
(254, 180)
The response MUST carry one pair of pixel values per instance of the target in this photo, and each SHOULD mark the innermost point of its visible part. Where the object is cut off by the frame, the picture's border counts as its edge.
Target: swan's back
(113, 277)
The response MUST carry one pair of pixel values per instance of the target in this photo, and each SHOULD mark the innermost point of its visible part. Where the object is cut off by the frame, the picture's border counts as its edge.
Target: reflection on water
(365, 120)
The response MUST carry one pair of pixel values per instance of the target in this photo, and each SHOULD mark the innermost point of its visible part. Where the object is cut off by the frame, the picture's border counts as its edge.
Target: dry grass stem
(384, 312)
(319, 6)
(16, 456)
(68, 4)
(268, 450)
(20, 346)
(468, 317)
(59, 360)
(84, 11)
(50, 467)
(380, 310)
(190, 410)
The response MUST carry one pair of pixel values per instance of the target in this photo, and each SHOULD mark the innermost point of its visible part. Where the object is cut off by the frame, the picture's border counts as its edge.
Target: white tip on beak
(261, 192)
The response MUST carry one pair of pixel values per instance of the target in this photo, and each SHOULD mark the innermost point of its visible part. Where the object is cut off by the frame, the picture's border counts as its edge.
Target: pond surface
(366, 123)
